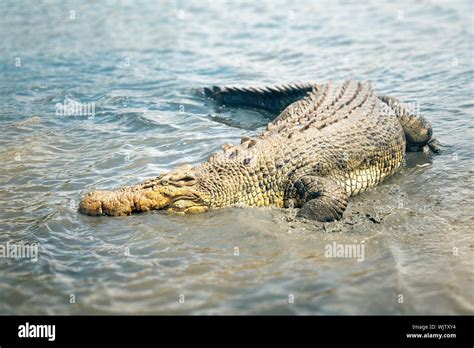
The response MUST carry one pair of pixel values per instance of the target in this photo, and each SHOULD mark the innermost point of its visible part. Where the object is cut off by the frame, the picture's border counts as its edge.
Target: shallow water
(138, 62)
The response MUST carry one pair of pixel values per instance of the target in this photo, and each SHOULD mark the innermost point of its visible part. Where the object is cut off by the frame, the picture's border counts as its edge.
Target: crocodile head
(178, 191)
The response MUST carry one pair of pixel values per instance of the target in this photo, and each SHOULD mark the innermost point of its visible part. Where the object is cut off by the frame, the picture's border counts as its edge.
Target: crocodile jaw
(130, 200)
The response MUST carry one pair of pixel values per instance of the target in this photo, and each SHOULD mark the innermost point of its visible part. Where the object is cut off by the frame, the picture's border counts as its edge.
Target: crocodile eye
(187, 178)
(164, 182)
(247, 160)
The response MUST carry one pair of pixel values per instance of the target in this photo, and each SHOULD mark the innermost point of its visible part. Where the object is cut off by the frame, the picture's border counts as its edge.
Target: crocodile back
(345, 133)
(341, 132)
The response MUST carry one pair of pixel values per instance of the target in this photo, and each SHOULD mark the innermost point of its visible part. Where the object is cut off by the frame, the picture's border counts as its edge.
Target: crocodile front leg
(322, 198)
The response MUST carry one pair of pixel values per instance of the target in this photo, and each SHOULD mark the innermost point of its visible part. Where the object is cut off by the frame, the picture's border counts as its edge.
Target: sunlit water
(138, 63)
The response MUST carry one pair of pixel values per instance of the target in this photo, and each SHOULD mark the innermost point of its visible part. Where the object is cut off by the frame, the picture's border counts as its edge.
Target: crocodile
(327, 143)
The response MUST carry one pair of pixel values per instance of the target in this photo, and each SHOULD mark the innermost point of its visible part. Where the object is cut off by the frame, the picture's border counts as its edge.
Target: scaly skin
(328, 144)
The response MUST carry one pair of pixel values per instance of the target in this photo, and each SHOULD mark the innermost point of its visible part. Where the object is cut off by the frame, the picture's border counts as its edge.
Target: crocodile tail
(274, 99)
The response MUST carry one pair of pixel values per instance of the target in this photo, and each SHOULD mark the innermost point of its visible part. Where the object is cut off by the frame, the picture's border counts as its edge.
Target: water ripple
(149, 119)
